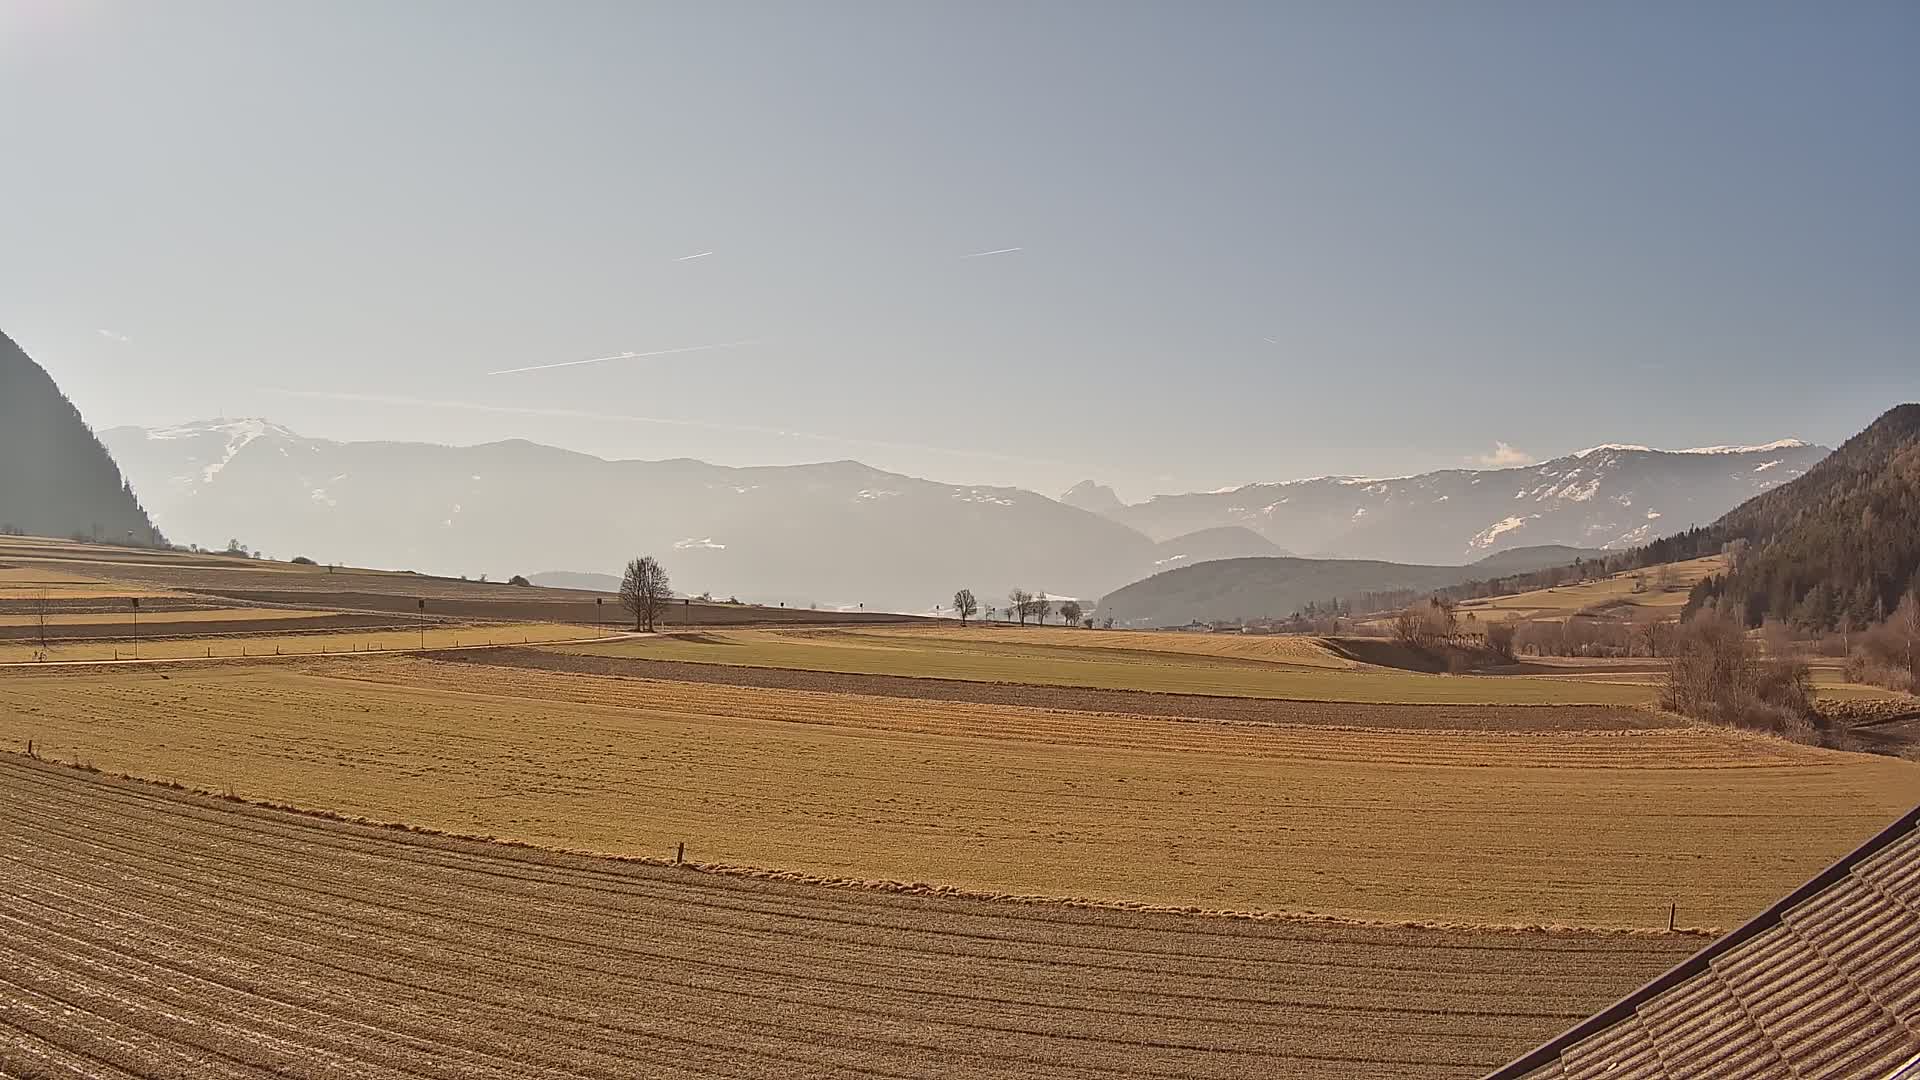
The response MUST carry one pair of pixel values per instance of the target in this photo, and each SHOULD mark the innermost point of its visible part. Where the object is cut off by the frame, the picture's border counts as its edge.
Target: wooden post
(680, 855)
(1672, 910)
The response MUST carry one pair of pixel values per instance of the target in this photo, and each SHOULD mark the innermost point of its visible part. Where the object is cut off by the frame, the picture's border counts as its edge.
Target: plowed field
(1296, 668)
(1587, 828)
(150, 933)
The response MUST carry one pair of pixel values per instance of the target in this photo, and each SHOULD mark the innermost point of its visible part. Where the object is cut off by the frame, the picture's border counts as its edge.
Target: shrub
(302, 560)
(519, 579)
(1717, 675)
(1500, 638)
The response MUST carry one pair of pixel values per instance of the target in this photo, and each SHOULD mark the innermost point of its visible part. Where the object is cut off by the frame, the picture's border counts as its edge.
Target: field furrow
(150, 933)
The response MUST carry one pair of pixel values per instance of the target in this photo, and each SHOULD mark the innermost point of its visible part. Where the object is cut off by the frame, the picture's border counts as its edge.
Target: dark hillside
(55, 477)
(1840, 543)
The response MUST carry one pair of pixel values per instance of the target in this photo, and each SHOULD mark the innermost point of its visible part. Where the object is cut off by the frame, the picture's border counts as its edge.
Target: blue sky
(1256, 241)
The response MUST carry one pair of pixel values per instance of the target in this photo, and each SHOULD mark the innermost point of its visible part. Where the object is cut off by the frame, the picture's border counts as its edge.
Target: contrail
(625, 356)
(697, 255)
(995, 251)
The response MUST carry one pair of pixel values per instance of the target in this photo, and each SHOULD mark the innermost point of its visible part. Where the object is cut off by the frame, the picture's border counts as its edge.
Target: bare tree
(1020, 604)
(1408, 626)
(1041, 605)
(644, 591)
(1070, 612)
(965, 605)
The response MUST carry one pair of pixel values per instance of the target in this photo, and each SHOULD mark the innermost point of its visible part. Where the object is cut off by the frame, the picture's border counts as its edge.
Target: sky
(1166, 246)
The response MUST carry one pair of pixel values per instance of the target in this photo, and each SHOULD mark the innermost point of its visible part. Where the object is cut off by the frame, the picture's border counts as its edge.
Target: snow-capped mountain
(1611, 496)
(844, 533)
(833, 533)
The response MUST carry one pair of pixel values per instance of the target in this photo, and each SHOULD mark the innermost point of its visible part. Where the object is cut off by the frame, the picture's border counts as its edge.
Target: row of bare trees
(1021, 605)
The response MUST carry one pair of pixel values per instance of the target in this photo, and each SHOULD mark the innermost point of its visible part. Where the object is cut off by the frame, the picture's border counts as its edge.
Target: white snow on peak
(237, 441)
(1765, 465)
(700, 542)
(252, 426)
(1778, 444)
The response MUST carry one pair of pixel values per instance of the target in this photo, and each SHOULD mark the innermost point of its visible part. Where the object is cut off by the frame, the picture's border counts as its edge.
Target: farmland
(154, 933)
(1595, 827)
(911, 850)
(1228, 665)
(1661, 592)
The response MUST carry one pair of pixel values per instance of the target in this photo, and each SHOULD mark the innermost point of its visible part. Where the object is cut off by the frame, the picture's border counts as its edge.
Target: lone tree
(1070, 612)
(1040, 607)
(644, 591)
(965, 605)
(1020, 605)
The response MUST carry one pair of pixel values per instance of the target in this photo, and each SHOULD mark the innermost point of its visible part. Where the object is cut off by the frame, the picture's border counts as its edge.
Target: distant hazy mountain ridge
(843, 533)
(56, 479)
(835, 533)
(1613, 496)
(1241, 590)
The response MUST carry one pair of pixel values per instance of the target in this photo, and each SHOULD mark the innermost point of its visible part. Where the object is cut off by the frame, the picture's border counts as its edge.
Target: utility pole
(422, 601)
(597, 602)
(136, 627)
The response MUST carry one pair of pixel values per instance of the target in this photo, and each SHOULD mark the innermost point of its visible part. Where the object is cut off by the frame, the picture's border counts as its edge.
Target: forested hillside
(55, 477)
(1840, 545)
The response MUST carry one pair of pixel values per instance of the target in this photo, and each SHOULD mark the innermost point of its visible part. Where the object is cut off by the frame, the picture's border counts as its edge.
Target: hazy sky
(1254, 241)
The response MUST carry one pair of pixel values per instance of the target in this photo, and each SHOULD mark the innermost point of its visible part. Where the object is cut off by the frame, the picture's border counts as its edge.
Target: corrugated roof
(1825, 983)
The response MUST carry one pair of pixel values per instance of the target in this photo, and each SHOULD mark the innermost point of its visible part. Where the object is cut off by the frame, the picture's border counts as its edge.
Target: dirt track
(150, 933)
(1137, 702)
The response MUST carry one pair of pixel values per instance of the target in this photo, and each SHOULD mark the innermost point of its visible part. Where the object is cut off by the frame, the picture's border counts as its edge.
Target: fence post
(1672, 910)
(680, 855)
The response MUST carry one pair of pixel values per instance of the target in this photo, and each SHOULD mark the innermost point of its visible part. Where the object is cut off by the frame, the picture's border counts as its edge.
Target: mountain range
(55, 477)
(1612, 496)
(846, 534)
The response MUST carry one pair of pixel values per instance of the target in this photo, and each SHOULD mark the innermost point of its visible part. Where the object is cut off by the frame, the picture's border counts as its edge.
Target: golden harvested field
(155, 933)
(30, 582)
(1163, 663)
(117, 572)
(1585, 827)
(1614, 593)
(274, 642)
(1291, 649)
(201, 615)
